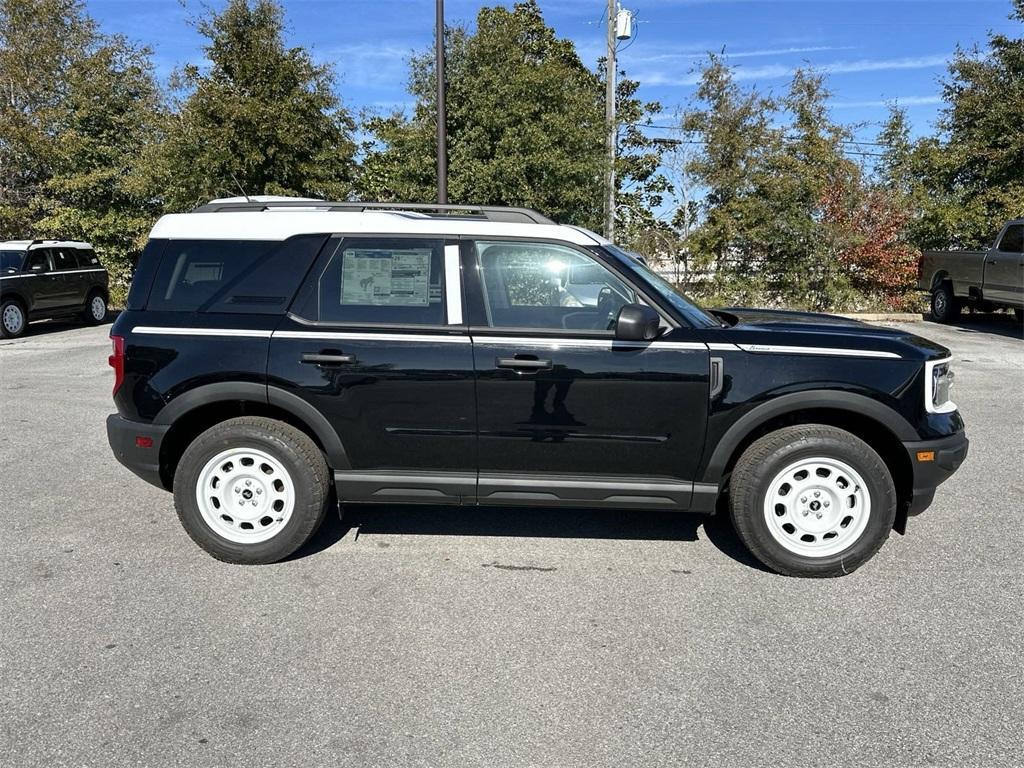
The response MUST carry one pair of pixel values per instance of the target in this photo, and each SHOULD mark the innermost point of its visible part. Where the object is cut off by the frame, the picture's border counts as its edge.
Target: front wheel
(251, 490)
(812, 500)
(12, 319)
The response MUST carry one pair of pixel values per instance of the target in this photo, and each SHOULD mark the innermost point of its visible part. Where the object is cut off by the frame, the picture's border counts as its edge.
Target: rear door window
(379, 281)
(87, 259)
(64, 259)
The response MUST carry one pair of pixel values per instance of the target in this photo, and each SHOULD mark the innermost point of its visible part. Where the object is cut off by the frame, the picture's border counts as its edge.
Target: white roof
(18, 245)
(282, 223)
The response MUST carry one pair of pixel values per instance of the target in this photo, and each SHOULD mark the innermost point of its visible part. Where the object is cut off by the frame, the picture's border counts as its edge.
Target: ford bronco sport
(45, 279)
(277, 355)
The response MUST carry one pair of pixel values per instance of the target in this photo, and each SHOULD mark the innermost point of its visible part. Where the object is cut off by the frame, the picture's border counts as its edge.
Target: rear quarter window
(235, 276)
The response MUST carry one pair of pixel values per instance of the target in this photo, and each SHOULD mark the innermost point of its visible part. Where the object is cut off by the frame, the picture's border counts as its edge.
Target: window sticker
(389, 277)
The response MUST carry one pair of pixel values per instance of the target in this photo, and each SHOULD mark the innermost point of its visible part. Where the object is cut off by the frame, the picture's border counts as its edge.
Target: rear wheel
(812, 500)
(12, 319)
(95, 311)
(945, 305)
(251, 490)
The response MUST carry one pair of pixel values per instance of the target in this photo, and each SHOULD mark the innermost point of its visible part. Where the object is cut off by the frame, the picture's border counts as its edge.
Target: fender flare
(858, 405)
(209, 394)
(10, 292)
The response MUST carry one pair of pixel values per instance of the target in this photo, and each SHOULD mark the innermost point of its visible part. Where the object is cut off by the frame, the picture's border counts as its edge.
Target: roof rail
(488, 212)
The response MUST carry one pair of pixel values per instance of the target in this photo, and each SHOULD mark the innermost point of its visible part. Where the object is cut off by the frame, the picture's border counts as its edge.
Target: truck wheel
(945, 306)
(251, 490)
(12, 319)
(812, 500)
(95, 311)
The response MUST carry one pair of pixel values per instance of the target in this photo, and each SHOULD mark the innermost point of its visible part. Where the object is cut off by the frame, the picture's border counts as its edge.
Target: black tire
(945, 306)
(88, 315)
(7, 317)
(296, 453)
(765, 459)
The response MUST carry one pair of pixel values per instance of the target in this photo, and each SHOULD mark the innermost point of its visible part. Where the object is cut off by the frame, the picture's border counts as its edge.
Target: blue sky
(875, 51)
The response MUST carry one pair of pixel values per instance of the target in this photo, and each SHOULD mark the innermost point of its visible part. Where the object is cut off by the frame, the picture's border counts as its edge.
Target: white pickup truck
(986, 280)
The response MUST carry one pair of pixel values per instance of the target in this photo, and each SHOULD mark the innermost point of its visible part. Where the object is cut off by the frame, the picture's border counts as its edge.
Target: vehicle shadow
(998, 323)
(528, 522)
(47, 327)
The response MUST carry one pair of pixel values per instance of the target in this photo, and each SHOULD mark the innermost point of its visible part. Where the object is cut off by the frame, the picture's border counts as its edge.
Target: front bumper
(946, 456)
(124, 438)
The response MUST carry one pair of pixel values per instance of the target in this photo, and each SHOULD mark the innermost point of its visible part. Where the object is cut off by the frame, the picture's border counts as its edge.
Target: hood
(781, 327)
(781, 317)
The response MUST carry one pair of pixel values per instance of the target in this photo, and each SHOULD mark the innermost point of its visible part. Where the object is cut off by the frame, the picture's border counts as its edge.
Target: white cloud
(902, 101)
(777, 71)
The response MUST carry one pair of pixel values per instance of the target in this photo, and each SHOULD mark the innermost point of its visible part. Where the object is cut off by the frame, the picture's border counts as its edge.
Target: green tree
(525, 125)
(261, 116)
(733, 130)
(76, 111)
(964, 182)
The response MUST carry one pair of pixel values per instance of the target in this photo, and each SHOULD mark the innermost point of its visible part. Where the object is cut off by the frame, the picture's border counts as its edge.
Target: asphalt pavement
(482, 637)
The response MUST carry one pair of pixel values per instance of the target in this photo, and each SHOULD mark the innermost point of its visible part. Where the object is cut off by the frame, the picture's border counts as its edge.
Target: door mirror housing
(637, 322)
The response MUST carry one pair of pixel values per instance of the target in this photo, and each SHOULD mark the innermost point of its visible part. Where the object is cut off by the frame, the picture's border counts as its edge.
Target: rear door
(72, 281)
(1004, 268)
(376, 342)
(566, 413)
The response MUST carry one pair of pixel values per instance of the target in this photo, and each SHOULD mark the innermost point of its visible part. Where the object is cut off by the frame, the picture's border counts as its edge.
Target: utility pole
(442, 134)
(609, 115)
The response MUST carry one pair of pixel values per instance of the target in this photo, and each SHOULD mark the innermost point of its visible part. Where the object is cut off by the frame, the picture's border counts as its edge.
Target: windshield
(10, 261)
(694, 314)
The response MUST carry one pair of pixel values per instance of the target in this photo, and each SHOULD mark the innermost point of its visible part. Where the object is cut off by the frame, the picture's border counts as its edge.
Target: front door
(566, 413)
(1004, 268)
(375, 341)
(45, 284)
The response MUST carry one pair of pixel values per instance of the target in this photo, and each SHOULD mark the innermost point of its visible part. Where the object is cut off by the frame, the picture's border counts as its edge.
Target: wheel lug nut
(827, 503)
(816, 493)
(249, 482)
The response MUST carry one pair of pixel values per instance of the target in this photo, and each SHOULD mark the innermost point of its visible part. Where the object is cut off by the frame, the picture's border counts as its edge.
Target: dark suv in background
(275, 355)
(44, 279)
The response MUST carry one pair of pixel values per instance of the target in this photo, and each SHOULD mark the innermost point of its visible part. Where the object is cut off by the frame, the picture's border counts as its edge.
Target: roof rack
(488, 212)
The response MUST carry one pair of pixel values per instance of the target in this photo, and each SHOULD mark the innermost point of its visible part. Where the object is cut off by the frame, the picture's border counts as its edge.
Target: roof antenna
(240, 188)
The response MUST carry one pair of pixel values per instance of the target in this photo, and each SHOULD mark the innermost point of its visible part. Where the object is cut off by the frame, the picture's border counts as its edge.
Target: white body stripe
(831, 351)
(453, 284)
(171, 331)
(54, 272)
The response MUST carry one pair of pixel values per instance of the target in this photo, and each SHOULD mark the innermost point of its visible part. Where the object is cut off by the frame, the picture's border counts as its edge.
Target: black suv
(43, 279)
(277, 355)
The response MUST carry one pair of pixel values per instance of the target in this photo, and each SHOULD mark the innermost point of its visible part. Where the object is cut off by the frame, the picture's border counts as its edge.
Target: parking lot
(464, 637)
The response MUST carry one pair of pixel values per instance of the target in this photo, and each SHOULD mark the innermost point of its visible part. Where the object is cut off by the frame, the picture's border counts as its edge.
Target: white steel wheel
(245, 495)
(13, 319)
(98, 308)
(817, 507)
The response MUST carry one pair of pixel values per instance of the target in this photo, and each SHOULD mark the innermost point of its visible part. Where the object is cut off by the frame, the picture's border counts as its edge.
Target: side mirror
(637, 322)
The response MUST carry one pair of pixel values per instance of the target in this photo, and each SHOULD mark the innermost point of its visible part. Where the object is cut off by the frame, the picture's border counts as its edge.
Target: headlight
(938, 382)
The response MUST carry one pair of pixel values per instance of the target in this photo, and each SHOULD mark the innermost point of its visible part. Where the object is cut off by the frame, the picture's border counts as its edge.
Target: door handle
(324, 359)
(523, 365)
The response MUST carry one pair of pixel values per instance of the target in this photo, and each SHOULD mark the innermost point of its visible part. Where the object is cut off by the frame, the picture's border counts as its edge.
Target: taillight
(116, 361)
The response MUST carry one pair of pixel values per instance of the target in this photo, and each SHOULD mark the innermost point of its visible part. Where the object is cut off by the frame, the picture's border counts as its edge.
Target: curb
(884, 317)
